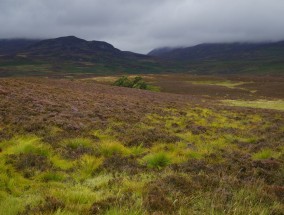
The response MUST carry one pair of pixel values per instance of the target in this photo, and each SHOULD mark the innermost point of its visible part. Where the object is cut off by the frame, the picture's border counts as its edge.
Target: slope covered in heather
(79, 147)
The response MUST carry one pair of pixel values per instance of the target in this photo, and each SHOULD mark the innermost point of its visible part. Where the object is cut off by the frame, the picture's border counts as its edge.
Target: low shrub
(137, 82)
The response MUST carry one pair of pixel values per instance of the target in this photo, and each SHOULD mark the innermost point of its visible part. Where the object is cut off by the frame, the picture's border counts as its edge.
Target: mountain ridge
(75, 55)
(221, 51)
(67, 46)
(72, 48)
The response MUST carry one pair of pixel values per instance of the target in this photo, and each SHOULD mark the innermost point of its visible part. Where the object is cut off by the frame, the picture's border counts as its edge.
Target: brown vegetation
(79, 147)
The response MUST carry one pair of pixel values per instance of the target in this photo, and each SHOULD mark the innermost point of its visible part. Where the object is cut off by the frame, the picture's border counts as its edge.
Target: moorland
(73, 143)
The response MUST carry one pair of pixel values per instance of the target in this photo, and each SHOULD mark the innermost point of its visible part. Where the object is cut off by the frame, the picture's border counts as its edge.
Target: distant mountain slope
(223, 51)
(76, 49)
(72, 55)
(9, 46)
(77, 56)
(68, 45)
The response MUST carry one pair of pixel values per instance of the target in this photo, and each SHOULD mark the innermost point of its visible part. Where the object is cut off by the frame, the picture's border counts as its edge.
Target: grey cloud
(139, 26)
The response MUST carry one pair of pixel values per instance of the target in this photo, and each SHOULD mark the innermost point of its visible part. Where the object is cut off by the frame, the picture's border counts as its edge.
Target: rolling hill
(74, 56)
(229, 58)
(73, 48)
(223, 51)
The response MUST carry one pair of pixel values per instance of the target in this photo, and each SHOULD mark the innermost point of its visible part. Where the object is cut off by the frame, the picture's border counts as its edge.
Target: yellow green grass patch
(225, 83)
(264, 104)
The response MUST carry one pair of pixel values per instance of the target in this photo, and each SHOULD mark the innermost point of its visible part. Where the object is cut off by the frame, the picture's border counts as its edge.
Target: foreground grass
(107, 176)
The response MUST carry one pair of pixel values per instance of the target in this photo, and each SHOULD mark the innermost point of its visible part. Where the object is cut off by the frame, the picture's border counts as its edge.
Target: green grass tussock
(76, 143)
(265, 154)
(26, 144)
(87, 166)
(110, 148)
(157, 160)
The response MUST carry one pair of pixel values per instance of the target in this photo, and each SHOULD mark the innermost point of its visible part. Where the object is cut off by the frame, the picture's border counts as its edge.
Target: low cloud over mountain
(140, 26)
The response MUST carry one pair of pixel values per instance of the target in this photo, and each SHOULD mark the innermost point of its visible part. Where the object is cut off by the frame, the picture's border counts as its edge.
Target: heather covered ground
(202, 145)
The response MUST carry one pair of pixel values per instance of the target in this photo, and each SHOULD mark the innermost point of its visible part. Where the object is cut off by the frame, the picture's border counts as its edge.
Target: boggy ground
(78, 147)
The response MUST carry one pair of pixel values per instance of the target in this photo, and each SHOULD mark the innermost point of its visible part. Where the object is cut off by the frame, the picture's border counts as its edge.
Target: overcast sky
(141, 25)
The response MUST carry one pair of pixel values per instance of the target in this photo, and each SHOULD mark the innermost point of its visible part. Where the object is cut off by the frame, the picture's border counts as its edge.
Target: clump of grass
(52, 176)
(193, 155)
(134, 209)
(88, 165)
(265, 154)
(18, 141)
(13, 183)
(10, 179)
(76, 143)
(11, 205)
(78, 197)
(137, 150)
(61, 211)
(38, 150)
(133, 186)
(101, 135)
(112, 147)
(157, 160)
(61, 163)
(16, 205)
(158, 147)
(99, 181)
(177, 152)
(27, 145)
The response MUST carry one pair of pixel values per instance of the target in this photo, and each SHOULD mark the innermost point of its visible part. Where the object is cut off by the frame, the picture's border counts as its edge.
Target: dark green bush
(123, 82)
(137, 82)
